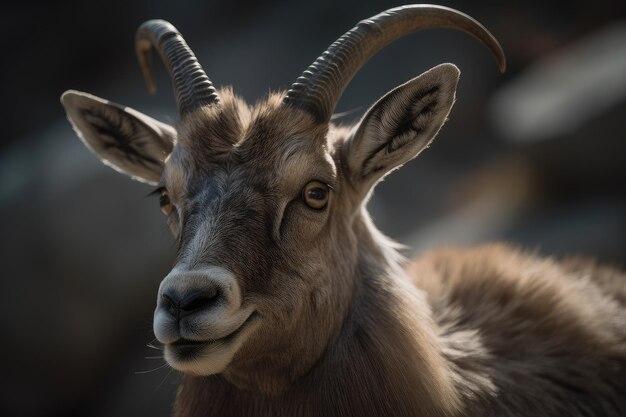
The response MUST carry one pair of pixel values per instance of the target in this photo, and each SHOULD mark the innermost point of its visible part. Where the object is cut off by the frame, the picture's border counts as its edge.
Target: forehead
(267, 144)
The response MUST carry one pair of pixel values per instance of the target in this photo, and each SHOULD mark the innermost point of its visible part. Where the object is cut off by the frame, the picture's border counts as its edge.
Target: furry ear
(124, 139)
(400, 125)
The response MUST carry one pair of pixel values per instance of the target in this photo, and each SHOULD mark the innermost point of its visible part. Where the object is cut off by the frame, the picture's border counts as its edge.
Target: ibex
(285, 300)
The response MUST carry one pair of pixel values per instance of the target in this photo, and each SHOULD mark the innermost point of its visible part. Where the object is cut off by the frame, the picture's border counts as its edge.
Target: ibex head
(267, 203)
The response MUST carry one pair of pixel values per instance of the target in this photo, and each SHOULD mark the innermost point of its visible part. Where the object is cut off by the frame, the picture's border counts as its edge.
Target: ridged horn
(192, 87)
(319, 88)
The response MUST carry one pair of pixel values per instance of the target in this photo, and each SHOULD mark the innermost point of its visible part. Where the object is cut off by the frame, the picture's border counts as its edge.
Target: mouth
(185, 351)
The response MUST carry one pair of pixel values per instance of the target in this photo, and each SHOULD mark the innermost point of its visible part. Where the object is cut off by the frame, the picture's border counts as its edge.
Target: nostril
(193, 302)
(197, 301)
(170, 304)
(169, 299)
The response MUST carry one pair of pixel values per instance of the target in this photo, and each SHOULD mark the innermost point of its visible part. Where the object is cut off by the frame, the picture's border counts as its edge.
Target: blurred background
(535, 157)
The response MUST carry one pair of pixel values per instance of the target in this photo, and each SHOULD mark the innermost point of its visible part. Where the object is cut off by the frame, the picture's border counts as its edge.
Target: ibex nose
(188, 304)
(193, 300)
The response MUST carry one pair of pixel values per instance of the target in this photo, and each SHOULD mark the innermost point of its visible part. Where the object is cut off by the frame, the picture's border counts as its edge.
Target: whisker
(151, 346)
(163, 380)
(155, 357)
(345, 113)
(151, 370)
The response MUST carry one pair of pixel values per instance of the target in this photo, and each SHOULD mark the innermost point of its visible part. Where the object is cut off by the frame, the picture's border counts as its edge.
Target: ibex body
(286, 301)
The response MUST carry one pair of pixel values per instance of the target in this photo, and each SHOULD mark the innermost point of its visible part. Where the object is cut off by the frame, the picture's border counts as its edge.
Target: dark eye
(164, 202)
(315, 195)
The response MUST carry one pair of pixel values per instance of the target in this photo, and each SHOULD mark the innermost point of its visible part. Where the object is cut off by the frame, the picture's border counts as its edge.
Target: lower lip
(187, 349)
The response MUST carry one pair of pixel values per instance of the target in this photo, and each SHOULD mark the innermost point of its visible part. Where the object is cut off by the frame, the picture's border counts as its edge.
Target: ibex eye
(315, 195)
(164, 202)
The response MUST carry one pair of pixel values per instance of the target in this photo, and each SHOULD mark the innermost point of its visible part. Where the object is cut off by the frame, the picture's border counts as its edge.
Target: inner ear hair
(124, 139)
(122, 135)
(402, 123)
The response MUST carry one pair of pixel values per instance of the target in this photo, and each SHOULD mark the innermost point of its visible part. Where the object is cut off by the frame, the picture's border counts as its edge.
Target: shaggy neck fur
(384, 361)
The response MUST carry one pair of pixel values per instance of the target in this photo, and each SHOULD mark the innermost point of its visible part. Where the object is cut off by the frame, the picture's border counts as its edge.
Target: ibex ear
(124, 139)
(400, 125)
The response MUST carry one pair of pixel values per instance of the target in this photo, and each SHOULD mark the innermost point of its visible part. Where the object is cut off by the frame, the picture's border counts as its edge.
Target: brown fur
(487, 331)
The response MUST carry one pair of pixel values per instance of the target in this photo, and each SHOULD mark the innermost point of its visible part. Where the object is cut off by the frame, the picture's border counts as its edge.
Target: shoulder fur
(511, 319)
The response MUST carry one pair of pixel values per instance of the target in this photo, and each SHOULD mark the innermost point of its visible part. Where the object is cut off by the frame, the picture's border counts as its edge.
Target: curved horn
(319, 88)
(192, 87)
